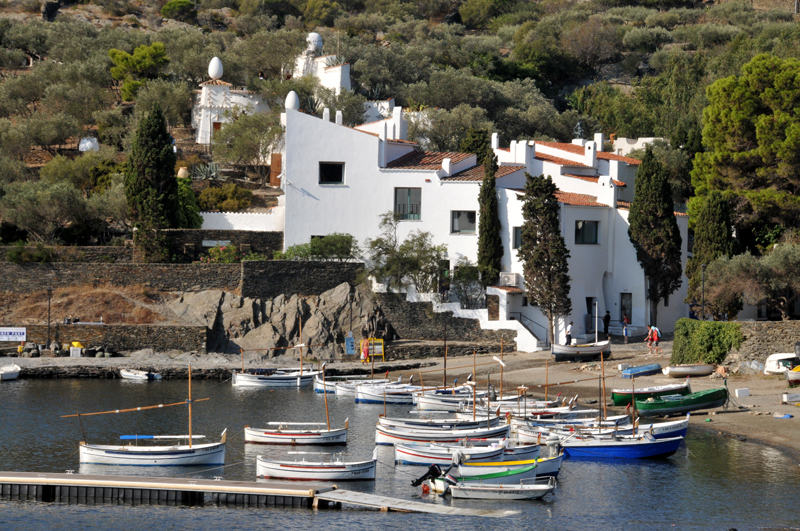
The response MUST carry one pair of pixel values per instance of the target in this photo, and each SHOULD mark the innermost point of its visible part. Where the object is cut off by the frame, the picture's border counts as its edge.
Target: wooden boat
(439, 424)
(586, 352)
(546, 466)
(622, 397)
(10, 372)
(175, 455)
(133, 374)
(645, 447)
(514, 450)
(285, 433)
(688, 369)
(274, 378)
(330, 385)
(660, 430)
(484, 477)
(348, 389)
(673, 404)
(444, 402)
(793, 377)
(641, 370)
(444, 455)
(524, 491)
(781, 362)
(387, 436)
(385, 394)
(187, 454)
(594, 421)
(334, 470)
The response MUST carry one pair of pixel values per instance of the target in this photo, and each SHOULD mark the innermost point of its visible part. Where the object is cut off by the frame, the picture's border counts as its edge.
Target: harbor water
(712, 483)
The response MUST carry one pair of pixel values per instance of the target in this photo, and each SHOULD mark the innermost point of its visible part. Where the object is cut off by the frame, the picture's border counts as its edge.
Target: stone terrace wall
(762, 338)
(102, 254)
(413, 320)
(123, 338)
(24, 278)
(189, 242)
(267, 280)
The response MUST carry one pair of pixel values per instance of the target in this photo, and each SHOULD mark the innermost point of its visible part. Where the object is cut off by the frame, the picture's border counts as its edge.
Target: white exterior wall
(213, 101)
(272, 221)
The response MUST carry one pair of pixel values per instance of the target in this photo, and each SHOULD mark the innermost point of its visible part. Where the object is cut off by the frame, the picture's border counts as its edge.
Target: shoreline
(753, 421)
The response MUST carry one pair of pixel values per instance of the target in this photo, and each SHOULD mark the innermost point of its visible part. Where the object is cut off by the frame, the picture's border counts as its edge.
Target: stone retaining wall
(417, 320)
(267, 280)
(188, 243)
(26, 278)
(101, 254)
(123, 338)
(762, 338)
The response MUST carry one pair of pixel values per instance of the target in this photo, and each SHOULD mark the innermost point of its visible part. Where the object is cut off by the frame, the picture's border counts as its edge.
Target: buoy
(425, 488)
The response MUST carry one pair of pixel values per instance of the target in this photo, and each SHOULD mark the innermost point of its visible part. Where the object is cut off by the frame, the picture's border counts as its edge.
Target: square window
(331, 173)
(462, 221)
(408, 203)
(516, 240)
(586, 232)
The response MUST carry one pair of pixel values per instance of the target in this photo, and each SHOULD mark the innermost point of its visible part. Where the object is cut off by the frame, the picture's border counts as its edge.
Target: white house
(341, 179)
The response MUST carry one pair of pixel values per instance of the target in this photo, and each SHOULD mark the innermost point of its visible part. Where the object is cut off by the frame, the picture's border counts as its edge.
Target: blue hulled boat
(646, 447)
(641, 370)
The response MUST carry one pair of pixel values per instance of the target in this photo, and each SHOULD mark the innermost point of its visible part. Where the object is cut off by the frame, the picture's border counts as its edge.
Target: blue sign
(350, 345)
(13, 334)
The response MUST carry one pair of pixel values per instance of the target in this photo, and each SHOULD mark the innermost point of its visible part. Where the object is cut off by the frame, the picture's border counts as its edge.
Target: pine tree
(543, 251)
(713, 238)
(151, 186)
(490, 245)
(654, 232)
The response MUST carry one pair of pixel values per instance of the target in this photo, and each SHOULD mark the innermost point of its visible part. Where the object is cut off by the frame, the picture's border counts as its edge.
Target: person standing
(606, 322)
(569, 333)
(625, 328)
(649, 339)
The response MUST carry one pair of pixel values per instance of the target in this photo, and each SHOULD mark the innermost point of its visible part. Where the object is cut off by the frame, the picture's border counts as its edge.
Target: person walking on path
(606, 322)
(624, 328)
(569, 333)
(656, 337)
(649, 339)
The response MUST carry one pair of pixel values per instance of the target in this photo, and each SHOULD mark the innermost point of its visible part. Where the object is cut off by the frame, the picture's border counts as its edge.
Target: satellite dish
(89, 143)
(215, 68)
(292, 101)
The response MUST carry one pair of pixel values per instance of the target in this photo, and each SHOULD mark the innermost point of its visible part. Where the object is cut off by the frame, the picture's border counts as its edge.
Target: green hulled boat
(622, 397)
(672, 404)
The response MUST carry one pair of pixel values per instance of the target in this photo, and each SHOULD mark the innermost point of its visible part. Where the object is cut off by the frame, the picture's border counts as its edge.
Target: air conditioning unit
(508, 279)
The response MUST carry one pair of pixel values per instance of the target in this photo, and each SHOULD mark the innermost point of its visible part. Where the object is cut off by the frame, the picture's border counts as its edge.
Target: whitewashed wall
(273, 221)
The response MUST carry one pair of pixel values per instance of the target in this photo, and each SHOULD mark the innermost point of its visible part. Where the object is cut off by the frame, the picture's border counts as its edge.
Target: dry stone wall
(762, 338)
(188, 243)
(267, 280)
(101, 254)
(122, 338)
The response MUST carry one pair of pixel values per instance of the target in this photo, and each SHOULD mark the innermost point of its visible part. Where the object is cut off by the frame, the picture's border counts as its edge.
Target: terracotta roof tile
(571, 199)
(626, 205)
(475, 173)
(216, 82)
(587, 178)
(426, 160)
(612, 156)
(579, 150)
(559, 160)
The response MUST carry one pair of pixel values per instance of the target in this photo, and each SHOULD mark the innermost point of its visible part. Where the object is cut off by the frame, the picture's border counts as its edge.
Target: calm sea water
(713, 483)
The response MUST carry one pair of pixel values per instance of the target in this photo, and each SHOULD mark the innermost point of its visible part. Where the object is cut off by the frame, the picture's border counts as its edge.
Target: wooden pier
(80, 488)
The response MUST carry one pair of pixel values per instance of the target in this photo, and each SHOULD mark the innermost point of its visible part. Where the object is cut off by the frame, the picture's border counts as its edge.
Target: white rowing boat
(10, 372)
(134, 374)
(135, 455)
(694, 370)
(525, 490)
(439, 424)
(387, 436)
(329, 386)
(444, 455)
(334, 470)
(274, 378)
(388, 394)
(304, 433)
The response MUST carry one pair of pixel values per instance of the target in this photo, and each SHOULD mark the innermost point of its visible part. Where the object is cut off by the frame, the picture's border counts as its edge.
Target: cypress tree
(490, 246)
(713, 238)
(654, 232)
(151, 186)
(543, 251)
(477, 141)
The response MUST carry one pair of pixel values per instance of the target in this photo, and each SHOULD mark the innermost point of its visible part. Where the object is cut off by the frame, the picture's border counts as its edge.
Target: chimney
(447, 166)
(400, 124)
(339, 118)
(382, 146)
(590, 154)
(599, 140)
(495, 141)
(326, 114)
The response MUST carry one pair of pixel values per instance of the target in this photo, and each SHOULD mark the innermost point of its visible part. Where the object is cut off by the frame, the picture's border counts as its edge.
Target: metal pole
(49, 294)
(703, 292)
(444, 374)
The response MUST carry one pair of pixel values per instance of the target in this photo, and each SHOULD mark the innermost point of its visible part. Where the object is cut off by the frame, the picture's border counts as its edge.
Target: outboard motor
(492, 393)
(553, 442)
(434, 471)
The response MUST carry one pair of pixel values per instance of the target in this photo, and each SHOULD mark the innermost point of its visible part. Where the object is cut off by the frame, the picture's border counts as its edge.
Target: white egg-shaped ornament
(292, 101)
(215, 68)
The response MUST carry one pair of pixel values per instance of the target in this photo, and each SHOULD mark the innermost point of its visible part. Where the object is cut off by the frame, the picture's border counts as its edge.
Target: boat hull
(545, 466)
(132, 374)
(310, 471)
(182, 455)
(10, 372)
(642, 370)
(581, 352)
(376, 395)
(419, 455)
(691, 402)
(642, 448)
(277, 381)
(793, 377)
(522, 491)
(439, 424)
(622, 397)
(295, 437)
(387, 436)
(694, 370)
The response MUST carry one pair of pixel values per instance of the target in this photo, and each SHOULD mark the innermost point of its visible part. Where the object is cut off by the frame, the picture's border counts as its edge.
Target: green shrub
(646, 39)
(228, 198)
(182, 10)
(334, 246)
(704, 341)
(20, 254)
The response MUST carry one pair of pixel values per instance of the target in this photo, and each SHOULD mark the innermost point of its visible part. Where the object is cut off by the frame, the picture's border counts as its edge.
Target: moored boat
(333, 470)
(444, 455)
(622, 397)
(10, 372)
(329, 386)
(641, 370)
(645, 447)
(274, 378)
(673, 404)
(439, 424)
(134, 374)
(585, 352)
(387, 436)
(388, 394)
(304, 433)
(546, 466)
(688, 369)
(525, 490)
(135, 455)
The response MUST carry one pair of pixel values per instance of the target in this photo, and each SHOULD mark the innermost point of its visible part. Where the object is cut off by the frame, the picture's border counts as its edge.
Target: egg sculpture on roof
(215, 68)
(292, 101)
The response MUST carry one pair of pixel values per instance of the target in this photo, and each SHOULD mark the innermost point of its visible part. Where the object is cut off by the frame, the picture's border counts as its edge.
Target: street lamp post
(49, 296)
(703, 291)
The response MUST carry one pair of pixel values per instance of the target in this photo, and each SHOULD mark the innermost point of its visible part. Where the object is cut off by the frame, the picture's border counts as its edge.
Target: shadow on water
(712, 482)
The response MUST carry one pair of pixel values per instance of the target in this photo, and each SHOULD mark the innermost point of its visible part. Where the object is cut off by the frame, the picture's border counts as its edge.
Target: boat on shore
(685, 370)
(673, 404)
(585, 352)
(793, 377)
(134, 374)
(622, 397)
(304, 433)
(641, 370)
(781, 362)
(10, 372)
(334, 470)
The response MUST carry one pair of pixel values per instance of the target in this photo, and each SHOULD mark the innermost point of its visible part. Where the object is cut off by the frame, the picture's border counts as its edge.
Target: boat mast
(595, 321)
(325, 395)
(301, 345)
(603, 374)
(190, 405)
